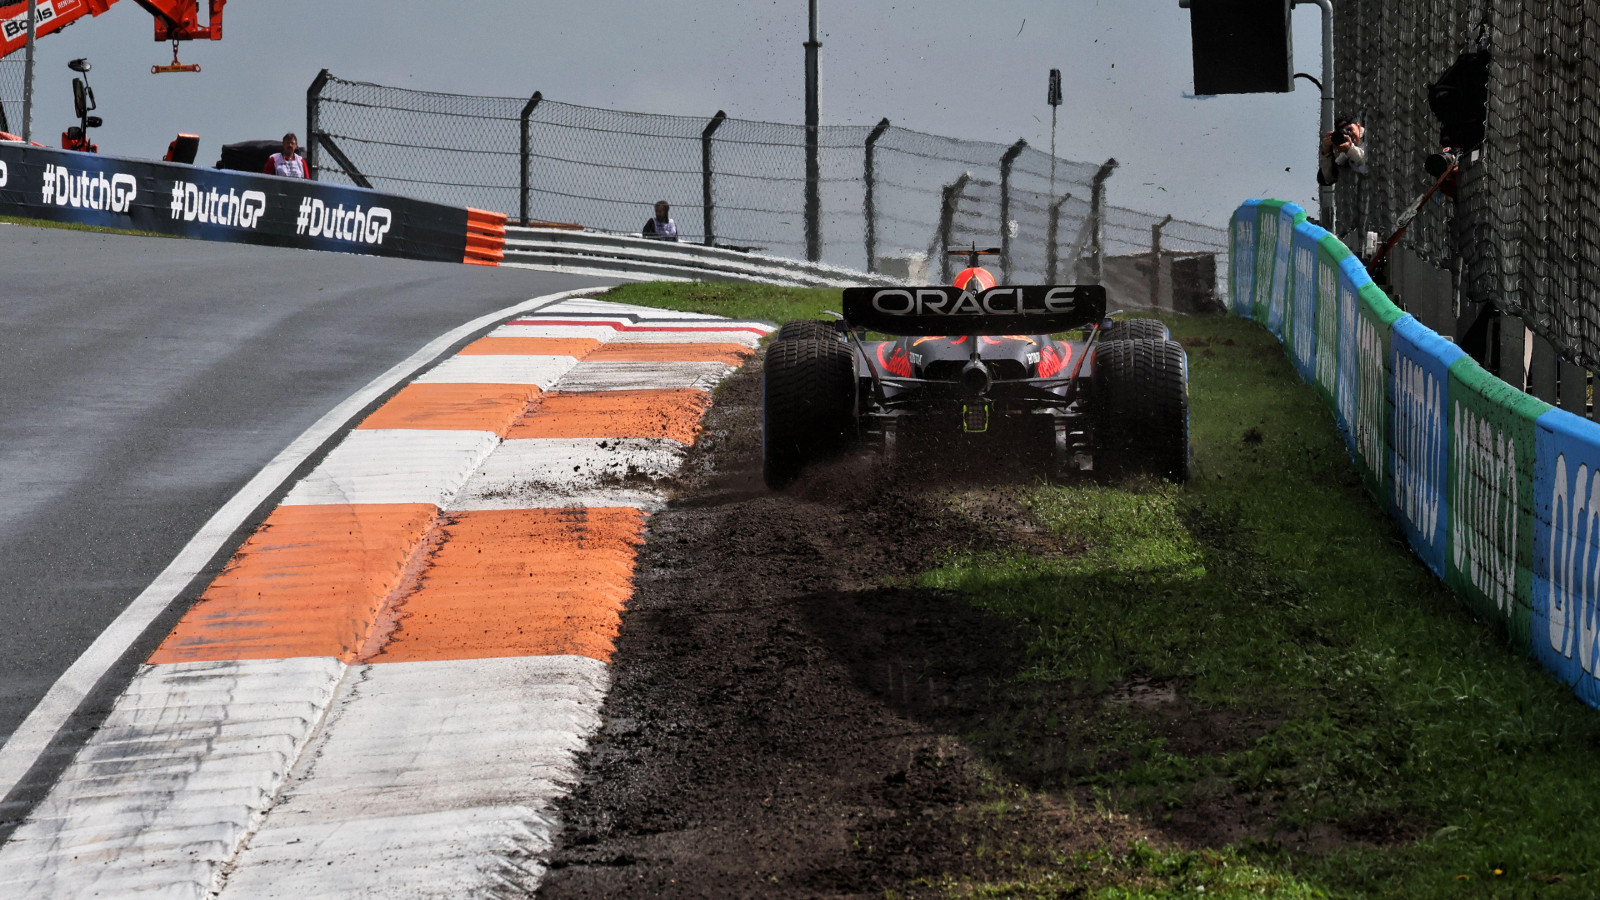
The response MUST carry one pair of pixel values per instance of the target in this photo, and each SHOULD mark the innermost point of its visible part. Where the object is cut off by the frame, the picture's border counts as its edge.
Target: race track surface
(146, 380)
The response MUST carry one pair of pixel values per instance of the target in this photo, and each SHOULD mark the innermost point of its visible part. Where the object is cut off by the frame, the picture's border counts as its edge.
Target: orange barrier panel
(486, 237)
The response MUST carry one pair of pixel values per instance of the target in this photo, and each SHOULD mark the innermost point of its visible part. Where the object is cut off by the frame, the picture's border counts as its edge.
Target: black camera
(1438, 163)
(1341, 137)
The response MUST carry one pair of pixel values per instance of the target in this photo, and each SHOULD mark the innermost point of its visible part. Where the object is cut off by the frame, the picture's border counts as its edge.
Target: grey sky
(943, 66)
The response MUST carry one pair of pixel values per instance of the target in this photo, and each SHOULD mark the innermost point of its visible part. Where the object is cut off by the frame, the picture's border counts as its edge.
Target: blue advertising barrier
(1289, 215)
(1496, 492)
(1242, 256)
(1419, 446)
(1301, 338)
(1565, 620)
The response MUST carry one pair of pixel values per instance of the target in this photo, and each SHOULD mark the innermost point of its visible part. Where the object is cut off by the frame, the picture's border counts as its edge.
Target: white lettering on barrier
(5, 174)
(1574, 574)
(1349, 348)
(1280, 273)
(211, 207)
(1327, 369)
(1368, 423)
(1419, 438)
(1266, 258)
(81, 190)
(1484, 515)
(1305, 273)
(357, 226)
(1574, 507)
(1244, 242)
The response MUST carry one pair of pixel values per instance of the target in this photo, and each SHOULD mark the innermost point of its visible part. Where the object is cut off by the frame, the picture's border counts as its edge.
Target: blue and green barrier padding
(1496, 491)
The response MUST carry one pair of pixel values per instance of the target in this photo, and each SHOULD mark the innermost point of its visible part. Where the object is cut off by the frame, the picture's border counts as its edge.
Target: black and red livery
(982, 369)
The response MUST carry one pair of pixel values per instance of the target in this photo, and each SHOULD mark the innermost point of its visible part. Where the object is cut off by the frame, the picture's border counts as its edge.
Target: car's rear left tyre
(808, 330)
(1141, 409)
(1135, 330)
(808, 406)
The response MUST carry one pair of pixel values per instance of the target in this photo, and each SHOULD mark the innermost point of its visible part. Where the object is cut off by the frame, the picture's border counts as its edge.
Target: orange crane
(176, 20)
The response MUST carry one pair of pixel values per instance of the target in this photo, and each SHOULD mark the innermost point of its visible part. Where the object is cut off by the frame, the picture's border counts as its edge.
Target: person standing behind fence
(660, 226)
(1341, 149)
(288, 163)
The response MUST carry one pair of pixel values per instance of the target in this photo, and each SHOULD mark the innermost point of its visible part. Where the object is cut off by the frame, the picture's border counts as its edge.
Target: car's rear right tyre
(1135, 330)
(1141, 409)
(808, 406)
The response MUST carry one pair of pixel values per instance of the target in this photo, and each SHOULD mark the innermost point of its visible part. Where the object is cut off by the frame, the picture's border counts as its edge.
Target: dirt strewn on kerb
(784, 720)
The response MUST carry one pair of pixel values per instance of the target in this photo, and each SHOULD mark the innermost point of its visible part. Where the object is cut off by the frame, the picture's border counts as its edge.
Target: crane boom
(175, 20)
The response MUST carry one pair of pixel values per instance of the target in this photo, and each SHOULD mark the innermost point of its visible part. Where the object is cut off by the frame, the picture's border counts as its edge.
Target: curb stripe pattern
(382, 693)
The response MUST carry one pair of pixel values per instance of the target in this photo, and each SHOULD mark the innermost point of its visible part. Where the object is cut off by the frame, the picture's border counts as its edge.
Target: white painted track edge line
(23, 749)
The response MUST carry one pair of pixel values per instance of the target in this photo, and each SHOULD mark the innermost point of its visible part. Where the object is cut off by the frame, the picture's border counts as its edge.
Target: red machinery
(176, 20)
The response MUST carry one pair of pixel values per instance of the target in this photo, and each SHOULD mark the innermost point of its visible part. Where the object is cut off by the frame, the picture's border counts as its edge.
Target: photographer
(1341, 149)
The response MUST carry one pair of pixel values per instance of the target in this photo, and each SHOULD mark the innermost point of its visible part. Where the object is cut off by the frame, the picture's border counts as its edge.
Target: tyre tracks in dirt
(787, 711)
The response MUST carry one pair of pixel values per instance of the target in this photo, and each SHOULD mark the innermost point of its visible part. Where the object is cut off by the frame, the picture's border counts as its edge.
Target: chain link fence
(1523, 231)
(893, 199)
(11, 83)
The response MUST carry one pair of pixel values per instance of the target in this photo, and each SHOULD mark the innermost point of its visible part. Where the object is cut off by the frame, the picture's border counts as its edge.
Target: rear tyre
(808, 406)
(807, 330)
(1135, 330)
(1141, 409)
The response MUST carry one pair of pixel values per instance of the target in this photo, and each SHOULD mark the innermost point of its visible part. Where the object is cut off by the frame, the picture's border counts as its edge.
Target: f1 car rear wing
(1029, 309)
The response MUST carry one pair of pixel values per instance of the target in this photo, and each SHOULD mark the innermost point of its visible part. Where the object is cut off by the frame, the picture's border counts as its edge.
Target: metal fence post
(1007, 160)
(869, 207)
(1155, 257)
(28, 72)
(1097, 217)
(314, 120)
(947, 217)
(1052, 254)
(708, 209)
(813, 153)
(527, 140)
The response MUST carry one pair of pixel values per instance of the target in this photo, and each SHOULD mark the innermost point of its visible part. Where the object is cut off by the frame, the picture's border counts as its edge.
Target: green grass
(1383, 742)
(74, 226)
(738, 301)
(1272, 589)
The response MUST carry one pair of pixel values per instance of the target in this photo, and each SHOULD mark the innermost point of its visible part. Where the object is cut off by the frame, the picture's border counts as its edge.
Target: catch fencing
(892, 199)
(12, 69)
(1495, 490)
(1524, 229)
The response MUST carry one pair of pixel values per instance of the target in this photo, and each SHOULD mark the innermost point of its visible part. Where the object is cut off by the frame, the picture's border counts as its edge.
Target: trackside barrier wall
(238, 207)
(1495, 490)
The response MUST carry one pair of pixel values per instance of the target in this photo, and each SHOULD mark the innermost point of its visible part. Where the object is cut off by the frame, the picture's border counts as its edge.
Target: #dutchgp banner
(223, 205)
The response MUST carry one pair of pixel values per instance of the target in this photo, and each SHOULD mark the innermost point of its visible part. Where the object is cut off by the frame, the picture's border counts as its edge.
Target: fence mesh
(1523, 230)
(605, 168)
(11, 69)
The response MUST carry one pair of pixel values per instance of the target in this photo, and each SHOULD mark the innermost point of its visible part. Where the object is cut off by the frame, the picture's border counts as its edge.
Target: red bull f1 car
(976, 369)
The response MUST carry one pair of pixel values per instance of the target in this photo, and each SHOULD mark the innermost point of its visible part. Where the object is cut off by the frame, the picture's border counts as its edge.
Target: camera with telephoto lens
(1438, 163)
